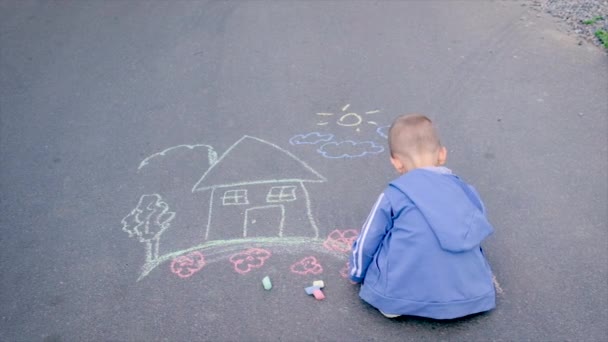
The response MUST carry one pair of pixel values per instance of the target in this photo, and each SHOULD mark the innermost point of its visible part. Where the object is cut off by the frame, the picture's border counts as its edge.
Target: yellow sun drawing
(349, 119)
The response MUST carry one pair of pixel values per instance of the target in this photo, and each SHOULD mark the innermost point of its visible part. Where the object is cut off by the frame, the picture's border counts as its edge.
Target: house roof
(252, 160)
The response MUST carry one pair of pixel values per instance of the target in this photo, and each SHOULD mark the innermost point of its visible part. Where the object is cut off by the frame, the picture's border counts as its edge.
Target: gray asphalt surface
(90, 89)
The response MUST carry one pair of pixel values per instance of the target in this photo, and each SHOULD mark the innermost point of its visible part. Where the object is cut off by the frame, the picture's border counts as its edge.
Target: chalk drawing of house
(257, 190)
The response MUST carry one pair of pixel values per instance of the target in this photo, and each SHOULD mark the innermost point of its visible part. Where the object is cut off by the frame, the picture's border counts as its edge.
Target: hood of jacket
(451, 207)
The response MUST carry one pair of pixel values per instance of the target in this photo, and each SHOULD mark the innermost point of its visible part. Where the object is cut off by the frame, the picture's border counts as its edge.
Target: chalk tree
(147, 222)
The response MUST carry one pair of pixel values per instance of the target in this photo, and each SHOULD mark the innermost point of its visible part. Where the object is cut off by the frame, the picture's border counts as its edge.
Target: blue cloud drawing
(383, 131)
(349, 149)
(310, 138)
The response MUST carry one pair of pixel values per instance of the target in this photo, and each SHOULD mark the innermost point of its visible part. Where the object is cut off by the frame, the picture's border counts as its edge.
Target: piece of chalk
(266, 282)
(318, 294)
(311, 289)
(318, 283)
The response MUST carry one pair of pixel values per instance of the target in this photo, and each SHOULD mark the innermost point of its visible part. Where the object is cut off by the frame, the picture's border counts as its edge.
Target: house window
(281, 194)
(235, 197)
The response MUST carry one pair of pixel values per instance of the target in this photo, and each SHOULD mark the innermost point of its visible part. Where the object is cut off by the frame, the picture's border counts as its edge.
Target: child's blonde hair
(412, 135)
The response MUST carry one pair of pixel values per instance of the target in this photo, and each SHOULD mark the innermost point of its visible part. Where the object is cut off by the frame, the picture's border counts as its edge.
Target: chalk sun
(348, 118)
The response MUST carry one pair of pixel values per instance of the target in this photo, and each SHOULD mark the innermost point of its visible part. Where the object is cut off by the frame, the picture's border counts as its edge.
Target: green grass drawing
(217, 249)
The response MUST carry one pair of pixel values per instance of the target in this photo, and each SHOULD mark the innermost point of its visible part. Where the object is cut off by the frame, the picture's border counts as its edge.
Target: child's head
(414, 143)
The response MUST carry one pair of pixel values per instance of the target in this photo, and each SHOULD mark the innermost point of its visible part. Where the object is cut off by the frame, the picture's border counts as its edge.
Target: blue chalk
(309, 290)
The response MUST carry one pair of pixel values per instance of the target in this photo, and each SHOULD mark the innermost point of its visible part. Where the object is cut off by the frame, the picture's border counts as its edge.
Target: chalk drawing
(344, 271)
(186, 265)
(341, 240)
(228, 174)
(497, 286)
(244, 262)
(349, 149)
(150, 218)
(281, 194)
(235, 197)
(383, 131)
(218, 250)
(266, 202)
(349, 119)
(310, 138)
(308, 265)
(337, 149)
(252, 221)
(211, 154)
(332, 148)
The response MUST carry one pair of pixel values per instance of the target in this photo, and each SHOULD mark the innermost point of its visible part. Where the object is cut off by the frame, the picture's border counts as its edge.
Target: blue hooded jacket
(419, 251)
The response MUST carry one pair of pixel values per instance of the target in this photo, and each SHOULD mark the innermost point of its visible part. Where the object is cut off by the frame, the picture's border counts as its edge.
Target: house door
(264, 221)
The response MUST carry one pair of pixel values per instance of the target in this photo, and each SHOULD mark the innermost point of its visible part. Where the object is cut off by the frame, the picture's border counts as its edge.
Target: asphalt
(94, 95)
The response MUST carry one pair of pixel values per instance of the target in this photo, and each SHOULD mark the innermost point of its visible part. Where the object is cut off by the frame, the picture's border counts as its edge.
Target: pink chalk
(318, 294)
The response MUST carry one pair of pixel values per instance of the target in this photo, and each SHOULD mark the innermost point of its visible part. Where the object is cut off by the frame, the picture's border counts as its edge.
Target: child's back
(419, 251)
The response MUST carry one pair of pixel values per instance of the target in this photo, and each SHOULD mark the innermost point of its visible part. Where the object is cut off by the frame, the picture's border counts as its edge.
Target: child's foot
(389, 315)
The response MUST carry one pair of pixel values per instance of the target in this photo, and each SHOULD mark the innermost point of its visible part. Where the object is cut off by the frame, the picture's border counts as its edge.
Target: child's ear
(443, 155)
(397, 164)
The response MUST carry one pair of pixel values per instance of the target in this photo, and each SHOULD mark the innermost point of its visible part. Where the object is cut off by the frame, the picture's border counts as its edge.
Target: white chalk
(267, 284)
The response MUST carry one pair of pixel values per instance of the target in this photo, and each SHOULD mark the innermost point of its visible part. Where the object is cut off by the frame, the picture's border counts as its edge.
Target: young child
(419, 251)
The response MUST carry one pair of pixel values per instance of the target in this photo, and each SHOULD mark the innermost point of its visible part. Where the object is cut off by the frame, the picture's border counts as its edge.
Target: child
(419, 251)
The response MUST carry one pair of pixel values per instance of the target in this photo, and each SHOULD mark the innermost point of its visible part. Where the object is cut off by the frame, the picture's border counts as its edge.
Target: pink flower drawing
(308, 265)
(186, 265)
(244, 262)
(341, 240)
(344, 271)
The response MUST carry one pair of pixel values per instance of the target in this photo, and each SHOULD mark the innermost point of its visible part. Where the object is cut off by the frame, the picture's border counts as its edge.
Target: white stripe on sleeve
(357, 253)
